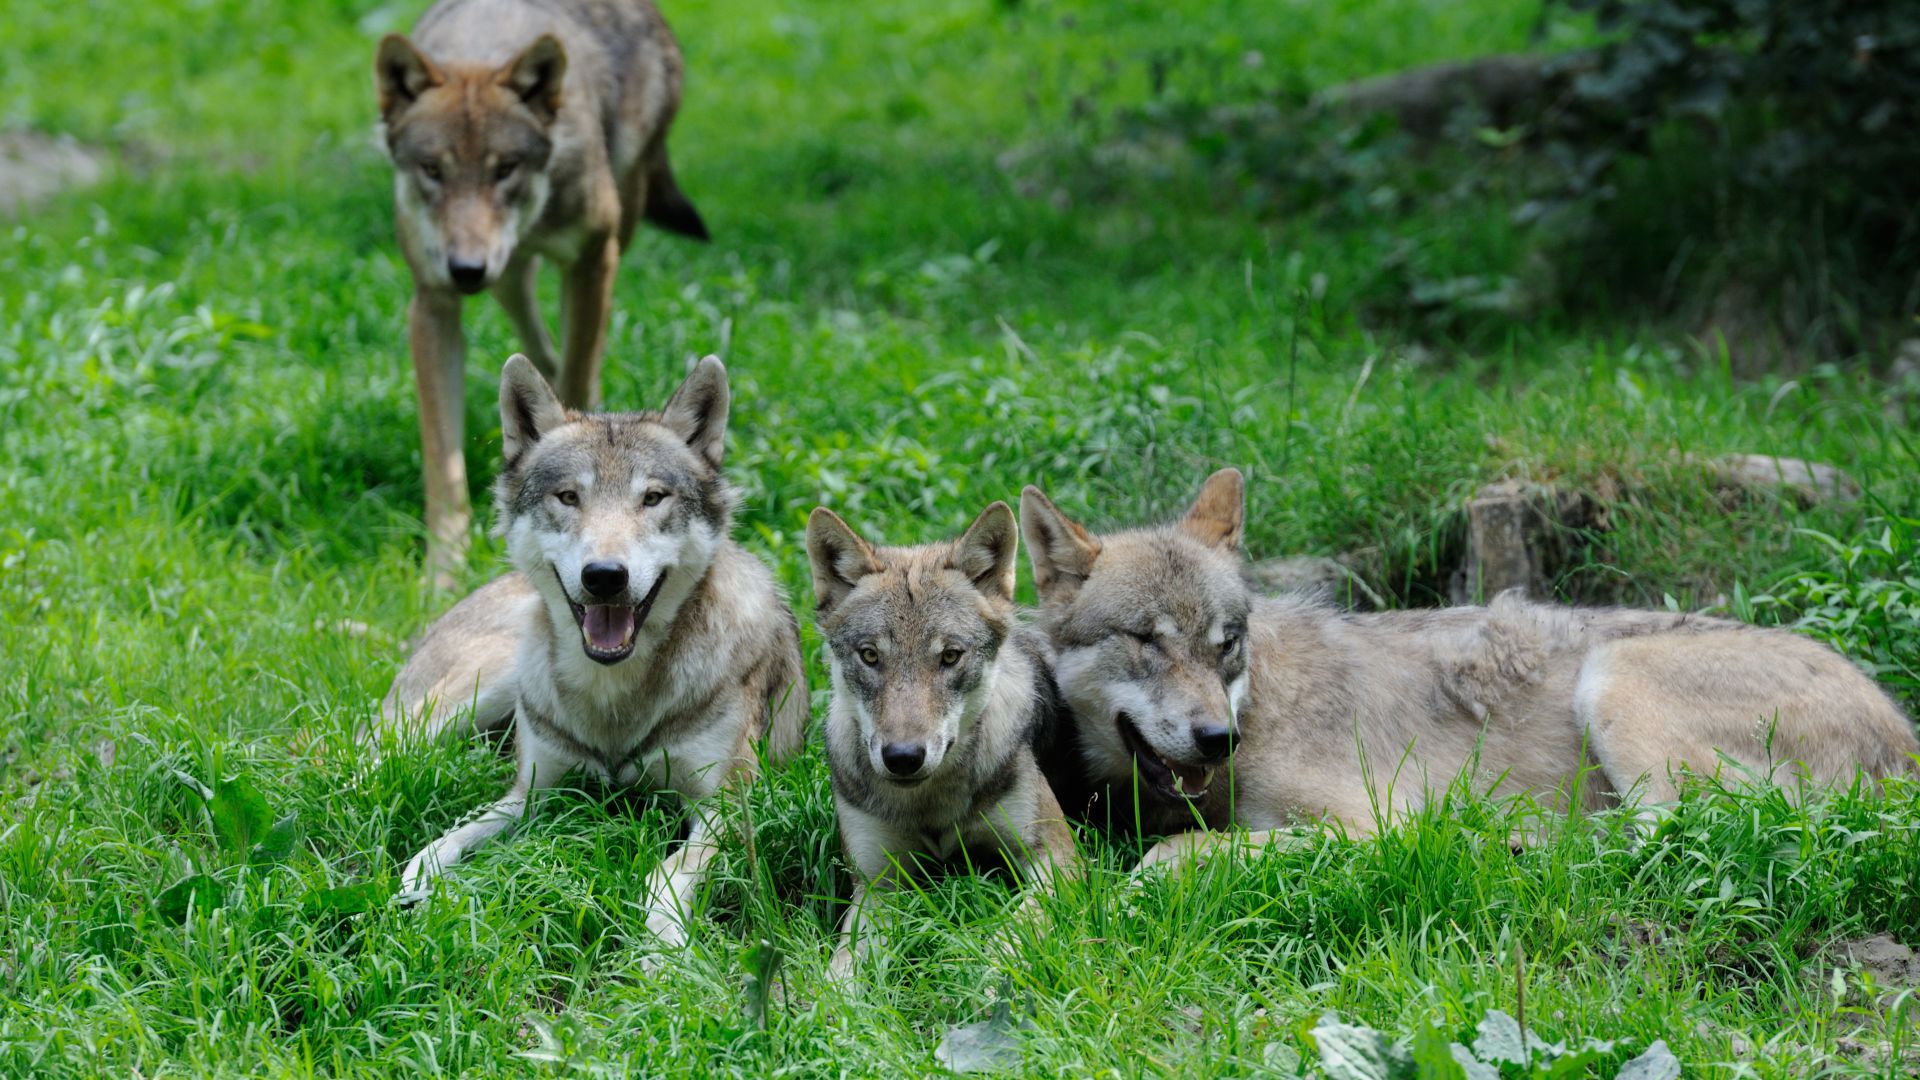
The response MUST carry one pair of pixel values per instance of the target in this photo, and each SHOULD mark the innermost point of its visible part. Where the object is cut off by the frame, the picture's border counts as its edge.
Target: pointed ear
(401, 73)
(698, 410)
(840, 559)
(528, 408)
(1218, 515)
(986, 552)
(1060, 552)
(536, 75)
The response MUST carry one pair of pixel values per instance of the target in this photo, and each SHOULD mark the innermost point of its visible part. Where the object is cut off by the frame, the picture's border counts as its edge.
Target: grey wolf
(521, 129)
(634, 640)
(1233, 709)
(939, 697)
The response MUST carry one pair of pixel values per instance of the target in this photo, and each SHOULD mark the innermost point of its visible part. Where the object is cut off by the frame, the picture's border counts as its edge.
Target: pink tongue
(608, 627)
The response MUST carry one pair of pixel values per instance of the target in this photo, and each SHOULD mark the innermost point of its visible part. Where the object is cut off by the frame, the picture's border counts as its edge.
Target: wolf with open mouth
(1197, 705)
(634, 640)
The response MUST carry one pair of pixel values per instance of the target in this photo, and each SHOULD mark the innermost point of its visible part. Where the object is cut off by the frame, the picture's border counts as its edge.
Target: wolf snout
(603, 580)
(1213, 742)
(903, 759)
(468, 275)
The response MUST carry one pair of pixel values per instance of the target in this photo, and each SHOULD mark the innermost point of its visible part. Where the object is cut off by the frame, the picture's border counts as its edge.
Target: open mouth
(608, 631)
(1168, 779)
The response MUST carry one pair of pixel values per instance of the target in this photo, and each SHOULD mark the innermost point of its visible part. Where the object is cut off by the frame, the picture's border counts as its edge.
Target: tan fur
(1349, 716)
(926, 655)
(520, 130)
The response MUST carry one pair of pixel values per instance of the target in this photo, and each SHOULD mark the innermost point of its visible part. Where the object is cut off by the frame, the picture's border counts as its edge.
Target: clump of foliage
(1832, 90)
(1756, 147)
(1502, 1047)
(1866, 603)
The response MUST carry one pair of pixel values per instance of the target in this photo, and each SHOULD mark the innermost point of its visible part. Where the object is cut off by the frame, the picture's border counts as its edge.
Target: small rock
(1892, 964)
(1518, 535)
(35, 167)
(1808, 481)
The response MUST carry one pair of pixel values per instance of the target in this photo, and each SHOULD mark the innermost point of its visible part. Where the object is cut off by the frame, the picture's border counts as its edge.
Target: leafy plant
(1866, 603)
(1754, 153)
(1501, 1048)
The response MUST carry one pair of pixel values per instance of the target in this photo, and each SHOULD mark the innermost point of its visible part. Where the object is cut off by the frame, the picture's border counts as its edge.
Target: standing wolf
(1237, 710)
(520, 129)
(938, 699)
(635, 640)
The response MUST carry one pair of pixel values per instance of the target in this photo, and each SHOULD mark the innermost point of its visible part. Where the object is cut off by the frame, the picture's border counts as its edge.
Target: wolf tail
(668, 207)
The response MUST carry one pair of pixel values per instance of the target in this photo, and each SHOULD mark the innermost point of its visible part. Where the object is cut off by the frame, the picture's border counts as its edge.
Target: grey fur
(925, 650)
(713, 662)
(1337, 713)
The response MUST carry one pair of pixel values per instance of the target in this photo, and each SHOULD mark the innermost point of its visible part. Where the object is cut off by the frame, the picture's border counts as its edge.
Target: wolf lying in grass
(938, 698)
(1221, 708)
(635, 640)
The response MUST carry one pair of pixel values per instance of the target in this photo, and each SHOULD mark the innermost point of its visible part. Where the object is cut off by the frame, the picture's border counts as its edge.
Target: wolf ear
(401, 73)
(840, 558)
(536, 75)
(528, 408)
(986, 553)
(698, 410)
(1060, 552)
(1218, 515)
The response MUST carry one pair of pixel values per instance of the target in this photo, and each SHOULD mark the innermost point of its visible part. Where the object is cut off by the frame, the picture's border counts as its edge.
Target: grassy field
(210, 546)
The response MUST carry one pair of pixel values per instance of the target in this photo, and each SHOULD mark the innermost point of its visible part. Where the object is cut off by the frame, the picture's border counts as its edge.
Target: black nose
(903, 758)
(1213, 741)
(469, 275)
(603, 580)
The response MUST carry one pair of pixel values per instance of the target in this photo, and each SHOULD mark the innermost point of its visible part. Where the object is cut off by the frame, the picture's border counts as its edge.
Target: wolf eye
(653, 498)
(869, 656)
(430, 170)
(1227, 646)
(503, 170)
(949, 657)
(567, 498)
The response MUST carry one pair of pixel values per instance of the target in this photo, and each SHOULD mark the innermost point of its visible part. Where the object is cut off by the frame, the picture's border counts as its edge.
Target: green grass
(211, 471)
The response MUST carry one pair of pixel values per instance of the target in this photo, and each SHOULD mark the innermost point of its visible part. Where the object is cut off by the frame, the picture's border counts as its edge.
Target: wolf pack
(1152, 691)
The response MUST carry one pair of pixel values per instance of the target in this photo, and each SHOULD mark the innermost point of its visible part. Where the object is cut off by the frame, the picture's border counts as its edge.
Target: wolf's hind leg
(519, 298)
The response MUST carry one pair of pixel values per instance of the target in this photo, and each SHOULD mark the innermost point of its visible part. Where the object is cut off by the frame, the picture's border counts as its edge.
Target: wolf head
(607, 514)
(470, 146)
(1150, 627)
(913, 634)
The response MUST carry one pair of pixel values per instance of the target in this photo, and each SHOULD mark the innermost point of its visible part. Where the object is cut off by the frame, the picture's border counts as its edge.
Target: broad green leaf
(984, 1046)
(346, 899)
(1658, 1063)
(1500, 1040)
(280, 841)
(196, 891)
(1349, 1052)
(240, 815)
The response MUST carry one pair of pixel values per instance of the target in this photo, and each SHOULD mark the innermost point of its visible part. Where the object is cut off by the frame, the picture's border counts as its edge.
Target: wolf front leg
(863, 928)
(1047, 851)
(439, 357)
(587, 296)
(675, 883)
(541, 767)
